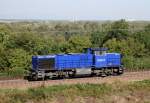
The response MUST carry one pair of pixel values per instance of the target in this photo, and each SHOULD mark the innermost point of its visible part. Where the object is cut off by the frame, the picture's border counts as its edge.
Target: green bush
(133, 63)
(12, 73)
(19, 59)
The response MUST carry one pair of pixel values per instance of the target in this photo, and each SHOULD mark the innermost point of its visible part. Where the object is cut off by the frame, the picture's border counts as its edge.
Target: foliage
(143, 37)
(78, 42)
(97, 38)
(128, 47)
(135, 64)
(19, 59)
(4, 63)
(118, 30)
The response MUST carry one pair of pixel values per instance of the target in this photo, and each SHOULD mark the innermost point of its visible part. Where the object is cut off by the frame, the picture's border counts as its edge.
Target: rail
(24, 84)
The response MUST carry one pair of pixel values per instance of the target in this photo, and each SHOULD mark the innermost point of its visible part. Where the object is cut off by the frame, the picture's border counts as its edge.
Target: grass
(136, 64)
(105, 93)
(10, 74)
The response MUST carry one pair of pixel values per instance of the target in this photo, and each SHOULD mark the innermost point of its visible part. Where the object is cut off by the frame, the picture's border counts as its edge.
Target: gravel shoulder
(24, 84)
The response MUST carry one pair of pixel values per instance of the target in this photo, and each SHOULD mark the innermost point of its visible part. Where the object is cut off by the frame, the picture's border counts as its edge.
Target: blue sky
(75, 9)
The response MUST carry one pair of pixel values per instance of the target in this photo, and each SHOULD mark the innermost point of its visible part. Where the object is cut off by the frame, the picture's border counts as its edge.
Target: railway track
(24, 84)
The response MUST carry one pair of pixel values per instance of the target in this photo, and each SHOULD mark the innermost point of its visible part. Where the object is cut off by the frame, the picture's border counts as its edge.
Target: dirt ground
(126, 77)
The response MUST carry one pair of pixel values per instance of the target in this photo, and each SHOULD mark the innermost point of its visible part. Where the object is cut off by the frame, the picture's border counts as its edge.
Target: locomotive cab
(43, 62)
(104, 61)
(41, 66)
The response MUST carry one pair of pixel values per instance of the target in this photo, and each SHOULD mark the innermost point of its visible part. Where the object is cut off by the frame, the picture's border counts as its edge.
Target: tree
(144, 37)
(59, 45)
(97, 39)
(4, 62)
(147, 28)
(19, 59)
(78, 42)
(30, 42)
(4, 34)
(127, 47)
(119, 30)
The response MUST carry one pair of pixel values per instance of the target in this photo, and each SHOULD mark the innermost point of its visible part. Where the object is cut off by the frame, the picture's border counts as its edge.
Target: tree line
(19, 41)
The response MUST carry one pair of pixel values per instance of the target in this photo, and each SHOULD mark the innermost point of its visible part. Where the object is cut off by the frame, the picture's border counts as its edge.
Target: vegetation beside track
(20, 40)
(105, 93)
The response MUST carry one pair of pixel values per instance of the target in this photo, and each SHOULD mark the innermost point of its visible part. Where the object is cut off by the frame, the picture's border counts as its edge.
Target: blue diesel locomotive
(95, 61)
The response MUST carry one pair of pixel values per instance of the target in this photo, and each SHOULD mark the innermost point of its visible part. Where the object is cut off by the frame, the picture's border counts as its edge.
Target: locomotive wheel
(72, 75)
(35, 77)
(108, 71)
(120, 71)
(103, 73)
